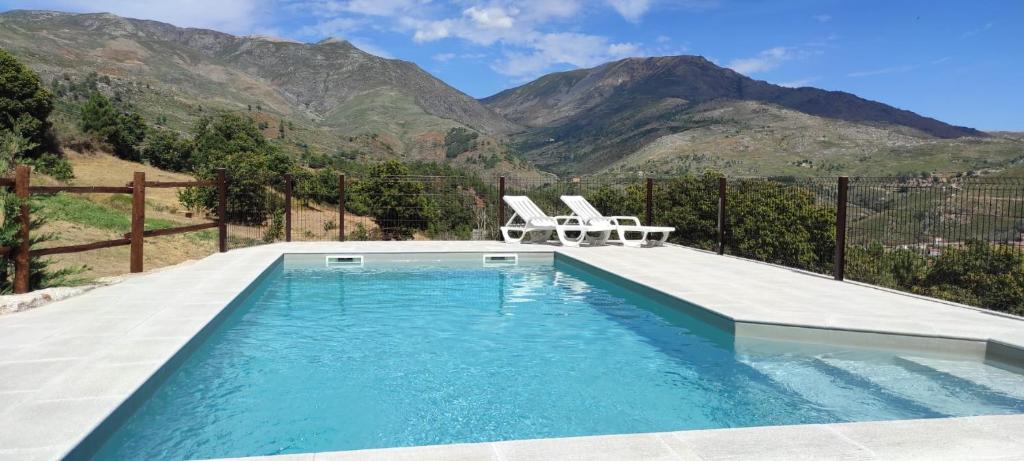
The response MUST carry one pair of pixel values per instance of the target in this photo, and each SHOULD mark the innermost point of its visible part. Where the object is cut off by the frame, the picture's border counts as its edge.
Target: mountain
(331, 88)
(585, 120)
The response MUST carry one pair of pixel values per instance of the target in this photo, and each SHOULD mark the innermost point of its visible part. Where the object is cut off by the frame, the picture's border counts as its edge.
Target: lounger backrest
(581, 207)
(526, 209)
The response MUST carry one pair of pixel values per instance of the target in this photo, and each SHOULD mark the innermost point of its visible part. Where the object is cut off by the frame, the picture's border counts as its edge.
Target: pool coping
(219, 280)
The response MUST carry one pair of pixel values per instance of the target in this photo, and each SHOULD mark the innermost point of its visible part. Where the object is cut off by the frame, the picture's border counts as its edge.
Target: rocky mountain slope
(331, 87)
(587, 120)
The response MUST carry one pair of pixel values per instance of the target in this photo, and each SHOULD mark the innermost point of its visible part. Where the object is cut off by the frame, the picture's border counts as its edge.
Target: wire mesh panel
(255, 216)
(787, 221)
(395, 208)
(918, 234)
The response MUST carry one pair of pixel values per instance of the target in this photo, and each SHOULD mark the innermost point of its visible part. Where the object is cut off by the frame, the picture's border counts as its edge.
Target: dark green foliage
(978, 274)
(167, 150)
(780, 224)
(459, 140)
(395, 202)
(24, 103)
(235, 143)
(123, 130)
(41, 275)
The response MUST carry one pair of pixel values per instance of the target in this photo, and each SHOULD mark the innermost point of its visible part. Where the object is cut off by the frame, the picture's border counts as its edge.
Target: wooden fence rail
(22, 253)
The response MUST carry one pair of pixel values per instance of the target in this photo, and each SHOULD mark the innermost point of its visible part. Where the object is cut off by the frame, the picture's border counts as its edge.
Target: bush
(123, 130)
(166, 150)
(459, 140)
(398, 205)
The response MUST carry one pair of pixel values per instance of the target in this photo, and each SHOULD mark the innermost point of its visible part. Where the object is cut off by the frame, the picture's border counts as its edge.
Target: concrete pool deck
(67, 366)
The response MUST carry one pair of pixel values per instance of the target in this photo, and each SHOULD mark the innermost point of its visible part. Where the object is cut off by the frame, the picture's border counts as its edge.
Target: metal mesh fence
(909, 234)
(904, 232)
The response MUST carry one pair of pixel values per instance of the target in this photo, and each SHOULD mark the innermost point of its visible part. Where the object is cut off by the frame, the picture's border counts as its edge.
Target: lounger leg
(629, 242)
(661, 241)
(602, 238)
(508, 237)
(567, 241)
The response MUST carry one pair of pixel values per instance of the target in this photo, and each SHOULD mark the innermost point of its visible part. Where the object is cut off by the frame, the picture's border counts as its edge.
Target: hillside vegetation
(328, 98)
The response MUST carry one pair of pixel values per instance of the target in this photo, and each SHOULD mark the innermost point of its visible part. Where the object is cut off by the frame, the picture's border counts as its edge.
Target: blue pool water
(324, 360)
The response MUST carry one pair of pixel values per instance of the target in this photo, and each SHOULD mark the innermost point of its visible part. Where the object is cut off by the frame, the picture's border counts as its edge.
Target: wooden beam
(81, 247)
(171, 184)
(138, 220)
(80, 189)
(839, 260)
(287, 207)
(222, 209)
(176, 230)
(22, 178)
(341, 207)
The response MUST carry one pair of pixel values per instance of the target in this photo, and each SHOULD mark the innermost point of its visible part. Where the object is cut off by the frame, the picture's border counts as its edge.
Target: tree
(124, 130)
(165, 149)
(397, 204)
(234, 142)
(25, 104)
(459, 140)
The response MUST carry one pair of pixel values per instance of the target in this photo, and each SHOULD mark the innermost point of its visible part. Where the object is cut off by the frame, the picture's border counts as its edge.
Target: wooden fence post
(840, 256)
(721, 215)
(22, 271)
(501, 202)
(138, 220)
(288, 207)
(341, 207)
(222, 207)
(650, 202)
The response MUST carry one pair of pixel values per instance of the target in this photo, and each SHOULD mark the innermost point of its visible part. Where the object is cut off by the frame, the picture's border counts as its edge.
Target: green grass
(75, 209)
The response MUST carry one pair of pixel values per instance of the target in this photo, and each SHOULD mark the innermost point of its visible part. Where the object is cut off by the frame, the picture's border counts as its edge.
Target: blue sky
(960, 62)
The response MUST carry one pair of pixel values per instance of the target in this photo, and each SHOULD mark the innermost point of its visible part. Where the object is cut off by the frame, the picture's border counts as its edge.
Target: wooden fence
(135, 239)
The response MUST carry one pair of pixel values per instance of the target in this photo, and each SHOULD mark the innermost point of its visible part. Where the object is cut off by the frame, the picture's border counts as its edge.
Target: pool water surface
(417, 354)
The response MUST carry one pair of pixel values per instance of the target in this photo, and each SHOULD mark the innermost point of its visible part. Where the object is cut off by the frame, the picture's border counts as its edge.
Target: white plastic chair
(538, 226)
(583, 209)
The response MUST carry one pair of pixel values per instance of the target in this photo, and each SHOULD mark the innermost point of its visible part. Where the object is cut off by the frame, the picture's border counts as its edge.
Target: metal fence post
(721, 215)
(288, 207)
(138, 220)
(341, 207)
(501, 202)
(222, 206)
(22, 177)
(840, 255)
(650, 202)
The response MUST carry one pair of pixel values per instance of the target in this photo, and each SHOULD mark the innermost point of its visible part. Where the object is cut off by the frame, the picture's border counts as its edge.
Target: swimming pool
(429, 352)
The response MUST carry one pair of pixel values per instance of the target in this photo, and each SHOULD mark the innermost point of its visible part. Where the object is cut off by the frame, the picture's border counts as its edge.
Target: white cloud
(765, 60)
(883, 71)
(578, 50)
(444, 57)
(978, 31)
(433, 30)
(377, 7)
(631, 10)
(493, 17)
(823, 17)
(371, 48)
(336, 27)
(799, 82)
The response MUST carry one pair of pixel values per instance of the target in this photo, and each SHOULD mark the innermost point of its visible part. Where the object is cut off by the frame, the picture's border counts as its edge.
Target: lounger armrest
(633, 219)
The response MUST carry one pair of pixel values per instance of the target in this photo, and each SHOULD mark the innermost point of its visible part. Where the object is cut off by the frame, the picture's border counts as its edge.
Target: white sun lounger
(583, 209)
(538, 226)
